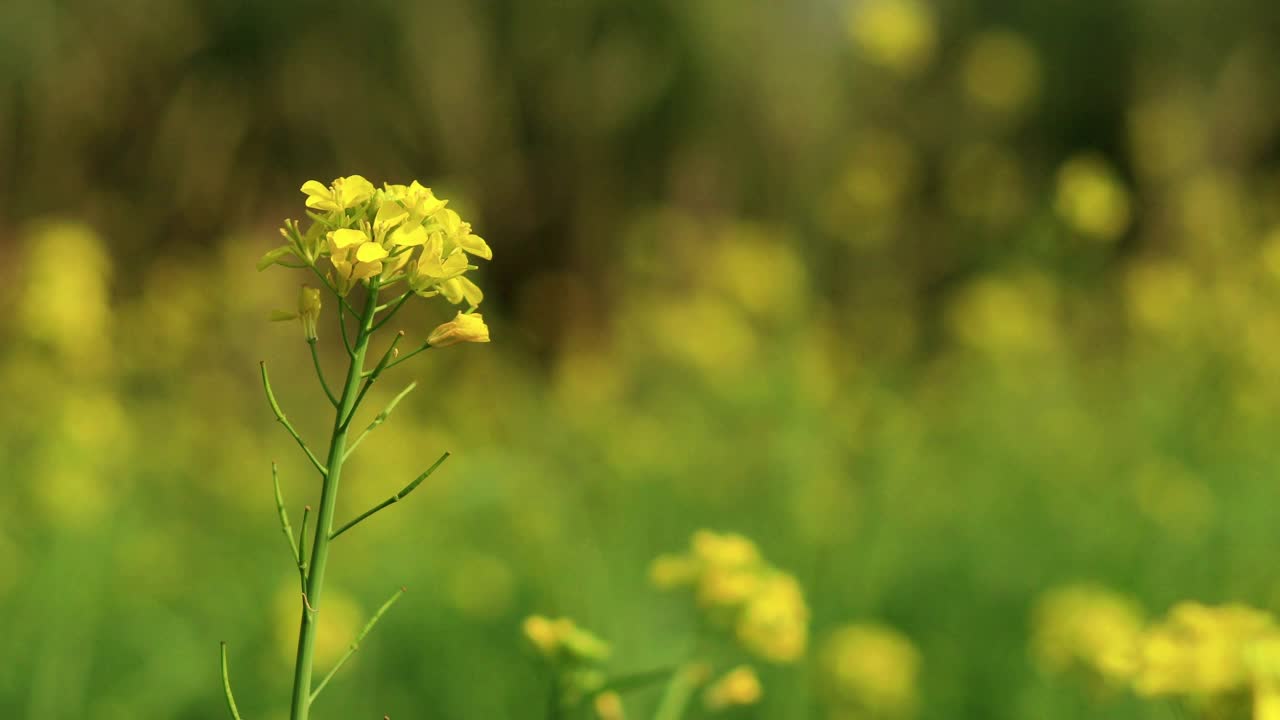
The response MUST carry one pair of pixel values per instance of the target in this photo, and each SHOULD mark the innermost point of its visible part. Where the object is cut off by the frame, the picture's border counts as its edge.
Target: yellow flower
(435, 267)
(870, 668)
(351, 261)
(774, 623)
(739, 686)
(457, 234)
(1087, 627)
(1091, 198)
(344, 193)
(462, 328)
(563, 639)
(457, 289)
(1200, 650)
(608, 706)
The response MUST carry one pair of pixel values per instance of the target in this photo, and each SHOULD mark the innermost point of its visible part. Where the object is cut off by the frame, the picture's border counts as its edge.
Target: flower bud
(309, 311)
(739, 686)
(463, 328)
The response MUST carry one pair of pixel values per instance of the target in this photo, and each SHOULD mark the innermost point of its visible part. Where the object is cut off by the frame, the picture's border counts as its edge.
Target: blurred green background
(942, 303)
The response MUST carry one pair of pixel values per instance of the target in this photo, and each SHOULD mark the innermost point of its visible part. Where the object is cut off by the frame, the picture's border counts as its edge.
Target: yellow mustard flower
(608, 706)
(435, 266)
(562, 639)
(1200, 650)
(1087, 627)
(457, 233)
(870, 669)
(345, 254)
(343, 193)
(462, 328)
(740, 686)
(774, 623)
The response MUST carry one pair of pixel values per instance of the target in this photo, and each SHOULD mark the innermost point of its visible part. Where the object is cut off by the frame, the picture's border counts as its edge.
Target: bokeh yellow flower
(898, 34)
(1091, 199)
(869, 671)
(1087, 627)
(740, 686)
(340, 195)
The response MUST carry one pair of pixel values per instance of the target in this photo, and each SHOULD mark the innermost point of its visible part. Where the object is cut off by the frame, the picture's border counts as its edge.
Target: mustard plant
(373, 250)
(749, 610)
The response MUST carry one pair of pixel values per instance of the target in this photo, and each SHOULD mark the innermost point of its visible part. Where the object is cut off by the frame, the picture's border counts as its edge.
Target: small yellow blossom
(342, 194)
(462, 328)
(345, 247)
(897, 34)
(871, 670)
(435, 266)
(1091, 198)
(1200, 650)
(457, 234)
(562, 639)
(1087, 627)
(740, 686)
(774, 623)
(608, 706)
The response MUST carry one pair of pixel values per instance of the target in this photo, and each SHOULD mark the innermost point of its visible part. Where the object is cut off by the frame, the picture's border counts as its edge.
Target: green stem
(275, 408)
(301, 706)
(355, 644)
(284, 516)
(226, 686)
(394, 498)
(402, 358)
(684, 682)
(379, 419)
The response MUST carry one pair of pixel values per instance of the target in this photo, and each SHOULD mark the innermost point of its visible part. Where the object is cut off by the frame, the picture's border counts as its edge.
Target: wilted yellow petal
(463, 328)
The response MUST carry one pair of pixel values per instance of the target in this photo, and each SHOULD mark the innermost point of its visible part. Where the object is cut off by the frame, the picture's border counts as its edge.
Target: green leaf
(275, 256)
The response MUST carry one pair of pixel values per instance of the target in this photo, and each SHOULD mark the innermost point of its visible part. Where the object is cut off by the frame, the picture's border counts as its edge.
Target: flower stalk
(368, 239)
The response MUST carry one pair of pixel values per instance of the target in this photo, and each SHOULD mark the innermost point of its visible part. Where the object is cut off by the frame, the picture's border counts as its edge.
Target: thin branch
(372, 377)
(284, 516)
(315, 359)
(402, 358)
(342, 324)
(381, 418)
(226, 685)
(395, 307)
(302, 543)
(393, 499)
(355, 644)
(275, 408)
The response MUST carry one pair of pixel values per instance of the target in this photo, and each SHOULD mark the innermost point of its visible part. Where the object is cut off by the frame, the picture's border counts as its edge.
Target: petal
(476, 245)
(315, 187)
(274, 256)
(347, 237)
(472, 292)
(364, 271)
(369, 252)
(416, 236)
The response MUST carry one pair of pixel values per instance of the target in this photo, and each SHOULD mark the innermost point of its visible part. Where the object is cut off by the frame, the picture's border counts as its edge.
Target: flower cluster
(575, 655)
(1088, 629)
(396, 233)
(734, 586)
(869, 671)
(1216, 657)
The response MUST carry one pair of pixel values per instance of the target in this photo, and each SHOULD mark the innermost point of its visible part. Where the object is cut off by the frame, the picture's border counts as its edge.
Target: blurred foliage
(941, 303)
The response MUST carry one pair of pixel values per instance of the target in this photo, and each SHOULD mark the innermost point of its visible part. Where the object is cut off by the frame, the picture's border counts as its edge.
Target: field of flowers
(849, 360)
